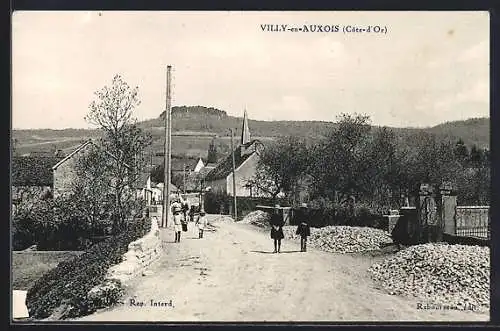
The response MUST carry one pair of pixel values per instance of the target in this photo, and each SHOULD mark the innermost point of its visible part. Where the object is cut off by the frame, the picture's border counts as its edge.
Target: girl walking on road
(201, 223)
(277, 229)
(303, 229)
(176, 211)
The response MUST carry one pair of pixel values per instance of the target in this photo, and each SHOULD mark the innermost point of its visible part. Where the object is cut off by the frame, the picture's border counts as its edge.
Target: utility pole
(201, 195)
(184, 179)
(168, 147)
(234, 178)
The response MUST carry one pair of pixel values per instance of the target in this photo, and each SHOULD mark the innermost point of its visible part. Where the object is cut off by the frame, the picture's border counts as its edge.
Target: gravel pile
(219, 218)
(214, 220)
(457, 276)
(258, 218)
(343, 239)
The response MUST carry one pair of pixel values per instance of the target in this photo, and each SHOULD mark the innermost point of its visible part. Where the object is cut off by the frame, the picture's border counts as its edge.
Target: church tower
(245, 132)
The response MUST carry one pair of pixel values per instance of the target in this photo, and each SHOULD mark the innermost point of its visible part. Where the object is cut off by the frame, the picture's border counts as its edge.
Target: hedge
(215, 200)
(323, 212)
(54, 224)
(70, 282)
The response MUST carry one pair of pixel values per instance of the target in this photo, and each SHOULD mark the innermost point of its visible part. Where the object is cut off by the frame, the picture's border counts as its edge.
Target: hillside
(194, 127)
(202, 119)
(474, 131)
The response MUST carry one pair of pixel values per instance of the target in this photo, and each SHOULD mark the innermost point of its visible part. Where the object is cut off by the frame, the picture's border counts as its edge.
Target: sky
(428, 68)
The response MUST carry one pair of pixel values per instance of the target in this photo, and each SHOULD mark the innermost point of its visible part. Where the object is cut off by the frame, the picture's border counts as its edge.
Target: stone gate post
(427, 215)
(447, 207)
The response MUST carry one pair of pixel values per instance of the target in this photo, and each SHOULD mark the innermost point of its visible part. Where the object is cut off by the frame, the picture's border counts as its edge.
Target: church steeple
(245, 132)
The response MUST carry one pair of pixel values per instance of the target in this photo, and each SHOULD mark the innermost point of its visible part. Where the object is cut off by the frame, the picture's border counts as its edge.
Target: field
(27, 267)
(184, 143)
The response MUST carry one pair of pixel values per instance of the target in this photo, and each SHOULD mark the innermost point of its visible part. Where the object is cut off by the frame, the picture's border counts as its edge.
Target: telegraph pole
(234, 178)
(168, 147)
(184, 179)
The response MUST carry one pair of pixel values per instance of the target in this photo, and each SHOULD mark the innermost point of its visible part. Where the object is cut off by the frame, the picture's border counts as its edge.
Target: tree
(92, 189)
(337, 161)
(112, 112)
(281, 166)
(476, 156)
(379, 168)
(461, 151)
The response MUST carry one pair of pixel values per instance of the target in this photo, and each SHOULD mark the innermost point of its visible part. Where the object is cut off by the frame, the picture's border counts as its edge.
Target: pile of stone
(456, 276)
(343, 239)
(258, 218)
(212, 219)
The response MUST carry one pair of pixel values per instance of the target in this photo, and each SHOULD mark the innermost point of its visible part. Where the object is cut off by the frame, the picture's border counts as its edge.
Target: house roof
(192, 181)
(225, 167)
(33, 170)
(173, 188)
(79, 148)
(176, 163)
(205, 170)
(210, 165)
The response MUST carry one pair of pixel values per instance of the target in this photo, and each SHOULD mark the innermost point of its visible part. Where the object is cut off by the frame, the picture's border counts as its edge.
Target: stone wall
(141, 253)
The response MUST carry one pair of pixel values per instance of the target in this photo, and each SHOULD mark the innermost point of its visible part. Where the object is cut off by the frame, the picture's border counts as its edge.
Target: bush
(23, 229)
(71, 281)
(60, 224)
(323, 212)
(215, 201)
(53, 224)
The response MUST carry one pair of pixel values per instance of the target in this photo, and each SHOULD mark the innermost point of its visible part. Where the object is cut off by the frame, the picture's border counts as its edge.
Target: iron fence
(473, 221)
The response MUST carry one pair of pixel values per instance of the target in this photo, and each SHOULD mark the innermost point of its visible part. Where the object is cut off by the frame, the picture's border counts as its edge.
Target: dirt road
(231, 275)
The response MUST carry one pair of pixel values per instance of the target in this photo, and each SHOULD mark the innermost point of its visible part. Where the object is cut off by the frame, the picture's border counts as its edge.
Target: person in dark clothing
(192, 212)
(303, 229)
(185, 211)
(277, 229)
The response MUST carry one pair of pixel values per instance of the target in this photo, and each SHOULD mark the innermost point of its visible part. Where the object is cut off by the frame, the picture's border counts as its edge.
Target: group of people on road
(182, 213)
(303, 228)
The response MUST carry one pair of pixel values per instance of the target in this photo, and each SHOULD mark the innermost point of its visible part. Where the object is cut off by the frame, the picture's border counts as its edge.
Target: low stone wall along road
(231, 275)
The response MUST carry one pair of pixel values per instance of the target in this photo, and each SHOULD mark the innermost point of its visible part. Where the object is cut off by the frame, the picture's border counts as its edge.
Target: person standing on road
(277, 229)
(201, 223)
(185, 209)
(303, 229)
(176, 211)
(192, 212)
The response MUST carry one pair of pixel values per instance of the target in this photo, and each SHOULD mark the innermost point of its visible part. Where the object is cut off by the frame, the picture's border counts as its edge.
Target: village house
(246, 155)
(150, 191)
(64, 172)
(195, 180)
(32, 177)
(42, 176)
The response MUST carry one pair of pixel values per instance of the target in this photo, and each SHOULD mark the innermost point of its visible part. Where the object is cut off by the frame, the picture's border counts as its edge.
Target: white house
(153, 192)
(246, 155)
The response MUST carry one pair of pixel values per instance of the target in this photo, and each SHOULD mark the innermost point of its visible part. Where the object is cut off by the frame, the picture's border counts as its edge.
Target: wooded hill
(474, 131)
(194, 127)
